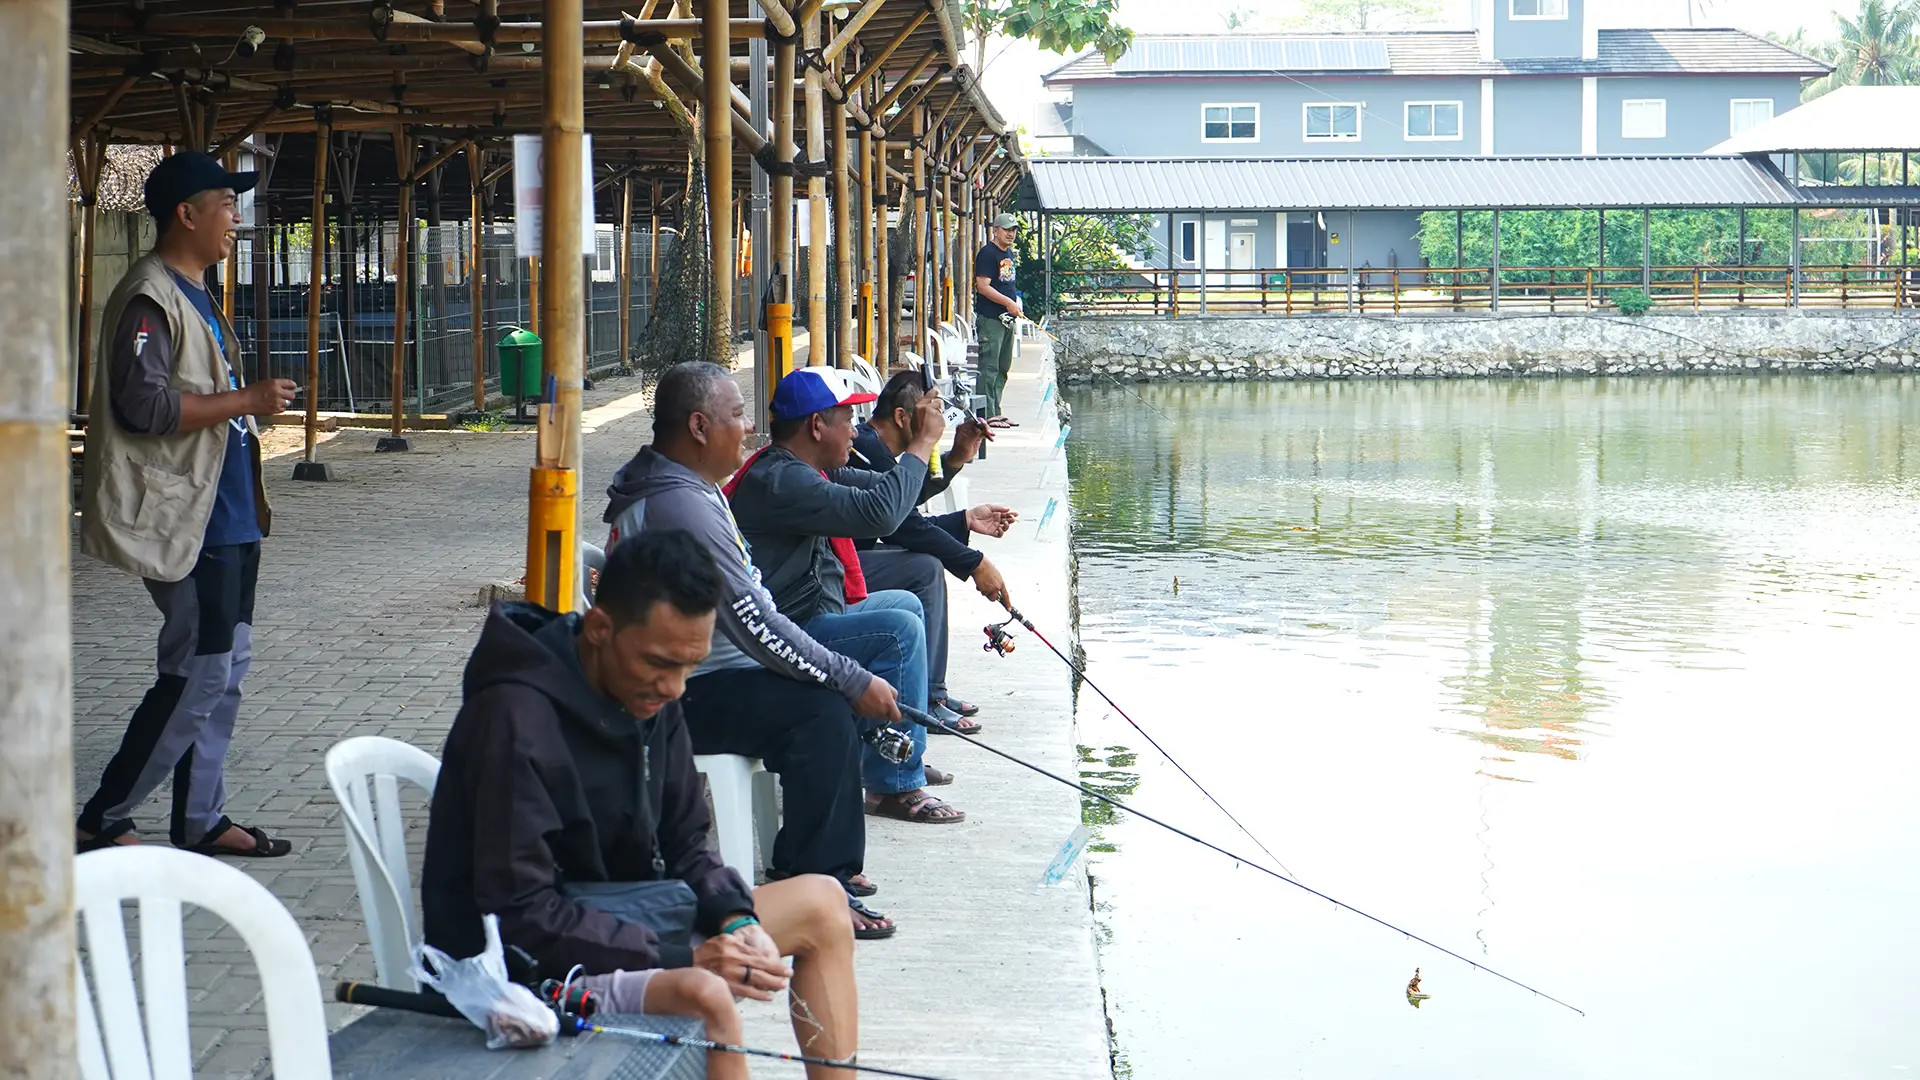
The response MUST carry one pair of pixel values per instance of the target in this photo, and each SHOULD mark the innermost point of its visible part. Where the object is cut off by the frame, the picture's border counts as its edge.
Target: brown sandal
(915, 806)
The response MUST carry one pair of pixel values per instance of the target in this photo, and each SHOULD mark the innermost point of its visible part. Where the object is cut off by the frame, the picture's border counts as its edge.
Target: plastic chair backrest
(365, 773)
(119, 1040)
(592, 557)
(936, 348)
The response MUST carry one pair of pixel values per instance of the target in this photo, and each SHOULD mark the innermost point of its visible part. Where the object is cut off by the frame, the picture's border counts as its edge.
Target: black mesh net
(679, 326)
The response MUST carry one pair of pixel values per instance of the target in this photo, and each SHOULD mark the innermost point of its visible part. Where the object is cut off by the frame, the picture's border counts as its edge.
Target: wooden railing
(1546, 289)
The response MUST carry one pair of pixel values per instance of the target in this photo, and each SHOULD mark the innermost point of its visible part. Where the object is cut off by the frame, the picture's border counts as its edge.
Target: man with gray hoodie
(767, 690)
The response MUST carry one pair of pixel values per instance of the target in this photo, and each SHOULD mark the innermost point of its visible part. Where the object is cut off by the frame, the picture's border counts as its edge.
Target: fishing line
(994, 637)
(924, 720)
(729, 1048)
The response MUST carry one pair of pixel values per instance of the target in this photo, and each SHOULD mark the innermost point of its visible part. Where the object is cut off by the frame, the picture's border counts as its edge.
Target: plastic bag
(478, 986)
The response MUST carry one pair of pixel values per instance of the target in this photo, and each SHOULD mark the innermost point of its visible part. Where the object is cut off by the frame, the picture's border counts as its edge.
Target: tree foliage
(1878, 46)
(1090, 256)
(1060, 26)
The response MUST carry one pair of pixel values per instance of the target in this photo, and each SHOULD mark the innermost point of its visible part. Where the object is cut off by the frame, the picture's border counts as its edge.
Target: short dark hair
(656, 565)
(902, 391)
(781, 430)
(685, 389)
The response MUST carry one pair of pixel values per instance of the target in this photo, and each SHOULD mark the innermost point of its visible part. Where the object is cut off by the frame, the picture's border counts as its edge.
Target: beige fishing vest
(145, 499)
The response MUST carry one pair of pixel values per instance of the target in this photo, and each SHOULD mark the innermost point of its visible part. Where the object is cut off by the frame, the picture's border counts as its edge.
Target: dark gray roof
(1457, 52)
(1139, 185)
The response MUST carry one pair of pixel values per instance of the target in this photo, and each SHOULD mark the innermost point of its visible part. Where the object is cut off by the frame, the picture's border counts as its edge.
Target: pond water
(1606, 684)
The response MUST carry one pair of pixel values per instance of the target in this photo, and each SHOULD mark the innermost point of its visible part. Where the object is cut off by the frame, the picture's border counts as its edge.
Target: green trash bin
(522, 374)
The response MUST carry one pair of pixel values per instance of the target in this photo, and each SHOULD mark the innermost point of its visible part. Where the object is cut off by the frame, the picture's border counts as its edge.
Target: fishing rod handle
(358, 993)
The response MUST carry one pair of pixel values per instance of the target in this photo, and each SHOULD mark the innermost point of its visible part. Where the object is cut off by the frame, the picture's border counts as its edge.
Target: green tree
(1090, 258)
(1060, 26)
(1879, 46)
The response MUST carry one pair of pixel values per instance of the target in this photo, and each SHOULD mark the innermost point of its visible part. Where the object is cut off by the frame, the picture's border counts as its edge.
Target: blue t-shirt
(233, 520)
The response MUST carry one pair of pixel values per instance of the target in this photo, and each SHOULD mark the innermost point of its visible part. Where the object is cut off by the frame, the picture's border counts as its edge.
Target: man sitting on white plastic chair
(569, 772)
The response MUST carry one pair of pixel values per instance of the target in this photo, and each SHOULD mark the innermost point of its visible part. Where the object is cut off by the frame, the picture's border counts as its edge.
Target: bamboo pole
(871, 65)
(626, 269)
(229, 274)
(653, 251)
(89, 157)
(718, 113)
(947, 246)
(402, 269)
(476, 275)
(885, 307)
(906, 81)
(401, 27)
(323, 136)
(36, 799)
(843, 307)
(867, 274)
(780, 225)
(922, 288)
(851, 31)
(816, 205)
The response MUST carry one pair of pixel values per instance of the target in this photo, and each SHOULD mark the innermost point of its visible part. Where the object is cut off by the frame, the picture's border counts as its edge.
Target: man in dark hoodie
(767, 690)
(569, 763)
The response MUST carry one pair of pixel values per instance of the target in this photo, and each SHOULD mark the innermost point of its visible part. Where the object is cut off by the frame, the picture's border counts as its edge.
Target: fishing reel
(998, 640)
(567, 999)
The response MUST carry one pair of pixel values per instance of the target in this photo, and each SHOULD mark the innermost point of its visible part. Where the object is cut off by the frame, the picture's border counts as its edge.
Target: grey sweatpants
(889, 567)
(996, 360)
(185, 722)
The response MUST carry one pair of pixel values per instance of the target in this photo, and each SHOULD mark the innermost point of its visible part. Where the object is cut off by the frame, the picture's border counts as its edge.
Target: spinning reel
(998, 640)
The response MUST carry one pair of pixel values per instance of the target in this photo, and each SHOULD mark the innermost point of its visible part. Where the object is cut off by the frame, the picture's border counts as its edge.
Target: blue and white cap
(808, 390)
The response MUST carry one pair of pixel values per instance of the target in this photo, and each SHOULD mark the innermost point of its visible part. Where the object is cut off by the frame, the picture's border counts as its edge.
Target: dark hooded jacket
(540, 783)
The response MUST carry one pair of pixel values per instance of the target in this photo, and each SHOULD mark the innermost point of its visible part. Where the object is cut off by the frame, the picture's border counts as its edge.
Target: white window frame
(1733, 113)
(1359, 120)
(1230, 106)
(1459, 129)
(1189, 241)
(1629, 103)
(1513, 16)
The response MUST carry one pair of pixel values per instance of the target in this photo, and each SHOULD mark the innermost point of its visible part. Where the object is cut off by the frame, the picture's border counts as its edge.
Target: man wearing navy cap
(800, 509)
(172, 493)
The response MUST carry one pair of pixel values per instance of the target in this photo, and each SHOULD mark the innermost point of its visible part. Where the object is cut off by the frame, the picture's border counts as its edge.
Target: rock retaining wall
(1339, 347)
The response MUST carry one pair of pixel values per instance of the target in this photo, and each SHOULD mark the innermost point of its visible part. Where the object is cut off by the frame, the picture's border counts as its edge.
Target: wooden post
(1646, 252)
(1793, 263)
(922, 283)
(780, 229)
(653, 251)
(816, 205)
(886, 305)
(865, 307)
(1200, 249)
(843, 306)
(36, 695)
(717, 111)
(262, 290)
(308, 469)
(402, 268)
(476, 276)
(1493, 280)
(533, 294)
(89, 156)
(626, 268)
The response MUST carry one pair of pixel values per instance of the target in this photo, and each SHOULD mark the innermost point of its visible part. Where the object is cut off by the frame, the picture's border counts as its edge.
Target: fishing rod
(572, 1006)
(924, 720)
(998, 640)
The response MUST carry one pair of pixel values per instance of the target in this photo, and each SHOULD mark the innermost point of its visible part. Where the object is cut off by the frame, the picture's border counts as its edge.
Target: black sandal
(264, 846)
(106, 837)
(938, 777)
(870, 933)
(859, 888)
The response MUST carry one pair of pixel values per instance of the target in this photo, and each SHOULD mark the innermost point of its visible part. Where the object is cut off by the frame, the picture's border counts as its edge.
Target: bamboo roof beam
(873, 64)
(387, 24)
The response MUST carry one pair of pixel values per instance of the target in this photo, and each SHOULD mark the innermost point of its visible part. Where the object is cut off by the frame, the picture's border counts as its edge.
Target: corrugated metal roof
(1249, 53)
(1457, 52)
(1850, 118)
(1128, 185)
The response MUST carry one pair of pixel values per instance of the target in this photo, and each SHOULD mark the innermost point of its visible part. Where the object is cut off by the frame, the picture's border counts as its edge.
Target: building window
(1435, 121)
(1537, 9)
(1751, 112)
(1336, 122)
(1189, 237)
(1229, 123)
(1645, 119)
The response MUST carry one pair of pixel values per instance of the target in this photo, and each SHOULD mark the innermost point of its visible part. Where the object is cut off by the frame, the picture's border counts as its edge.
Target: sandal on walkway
(868, 924)
(936, 778)
(959, 725)
(118, 834)
(860, 885)
(264, 846)
(1001, 422)
(964, 708)
(915, 806)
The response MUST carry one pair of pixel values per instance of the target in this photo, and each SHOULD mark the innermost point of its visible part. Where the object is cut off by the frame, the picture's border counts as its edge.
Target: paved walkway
(367, 612)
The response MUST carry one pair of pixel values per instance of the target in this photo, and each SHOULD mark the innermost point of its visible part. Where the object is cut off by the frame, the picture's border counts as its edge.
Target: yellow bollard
(553, 545)
(866, 324)
(779, 345)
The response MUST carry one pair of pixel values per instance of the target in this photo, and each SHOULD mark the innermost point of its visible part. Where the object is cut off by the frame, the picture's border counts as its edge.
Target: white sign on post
(529, 165)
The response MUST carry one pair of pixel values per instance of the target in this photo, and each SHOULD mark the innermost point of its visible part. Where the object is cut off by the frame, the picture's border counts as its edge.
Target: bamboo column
(307, 468)
(947, 245)
(395, 442)
(922, 234)
(653, 251)
(816, 204)
(867, 274)
(717, 111)
(89, 156)
(843, 306)
(36, 696)
(626, 269)
(476, 277)
(885, 305)
(780, 232)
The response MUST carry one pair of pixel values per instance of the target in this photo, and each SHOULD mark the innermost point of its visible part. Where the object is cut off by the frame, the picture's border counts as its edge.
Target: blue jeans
(887, 634)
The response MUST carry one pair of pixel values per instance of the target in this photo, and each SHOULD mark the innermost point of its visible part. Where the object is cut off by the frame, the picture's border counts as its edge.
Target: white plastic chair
(137, 1037)
(377, 842)
(743, 805)
(865, 378)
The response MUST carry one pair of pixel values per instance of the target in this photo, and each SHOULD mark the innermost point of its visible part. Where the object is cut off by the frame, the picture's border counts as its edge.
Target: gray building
(1534, 77)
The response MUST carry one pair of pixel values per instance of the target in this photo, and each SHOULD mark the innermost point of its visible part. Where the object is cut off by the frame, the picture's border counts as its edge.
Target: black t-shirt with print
(996, 265)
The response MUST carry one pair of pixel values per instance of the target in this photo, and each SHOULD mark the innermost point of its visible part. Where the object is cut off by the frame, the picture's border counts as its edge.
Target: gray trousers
(996, 360)
(185, 723)
(889, 567)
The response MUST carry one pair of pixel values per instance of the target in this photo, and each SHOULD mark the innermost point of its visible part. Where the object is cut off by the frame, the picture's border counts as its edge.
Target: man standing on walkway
(996, 310)
(172, 492)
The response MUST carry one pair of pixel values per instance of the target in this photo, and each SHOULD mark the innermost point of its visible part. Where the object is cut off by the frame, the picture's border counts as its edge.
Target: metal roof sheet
(1850, 118)
(1180, 54)
(1457, 52)
(1123, 185)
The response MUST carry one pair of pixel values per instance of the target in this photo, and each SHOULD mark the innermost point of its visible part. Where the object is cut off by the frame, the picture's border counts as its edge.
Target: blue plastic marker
(1046, 517)
(1069, 853)
(1062, 440)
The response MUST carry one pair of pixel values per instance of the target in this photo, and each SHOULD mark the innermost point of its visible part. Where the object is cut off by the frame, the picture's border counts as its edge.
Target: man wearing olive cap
(172, 493)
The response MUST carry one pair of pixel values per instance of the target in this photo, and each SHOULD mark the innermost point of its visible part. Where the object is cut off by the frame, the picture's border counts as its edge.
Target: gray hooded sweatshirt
(654, 492)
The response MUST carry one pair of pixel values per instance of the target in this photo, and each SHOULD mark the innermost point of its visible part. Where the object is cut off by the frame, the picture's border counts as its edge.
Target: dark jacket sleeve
(788, 496)
(514, 872)
(684, 824)
(140, 371)
(928, 536)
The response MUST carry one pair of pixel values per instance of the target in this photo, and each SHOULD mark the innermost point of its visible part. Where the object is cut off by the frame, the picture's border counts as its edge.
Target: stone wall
(1228, 348)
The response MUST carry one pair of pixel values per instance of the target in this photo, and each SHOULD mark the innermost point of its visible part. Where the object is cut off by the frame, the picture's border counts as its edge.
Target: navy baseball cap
(808, 390)
(186, 174)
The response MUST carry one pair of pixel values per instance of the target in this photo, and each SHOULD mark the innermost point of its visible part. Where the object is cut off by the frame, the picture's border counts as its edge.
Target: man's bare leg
(704, 996)
(807, 918)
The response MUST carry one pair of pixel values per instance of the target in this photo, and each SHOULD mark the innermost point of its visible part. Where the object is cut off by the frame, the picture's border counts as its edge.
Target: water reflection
(1109, 771)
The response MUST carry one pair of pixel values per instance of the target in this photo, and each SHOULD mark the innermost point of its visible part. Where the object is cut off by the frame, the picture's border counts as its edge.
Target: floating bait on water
(1414, 996)
(1176, 585)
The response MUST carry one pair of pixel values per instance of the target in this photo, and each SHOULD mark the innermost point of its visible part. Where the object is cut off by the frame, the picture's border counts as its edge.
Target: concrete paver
(367, 611)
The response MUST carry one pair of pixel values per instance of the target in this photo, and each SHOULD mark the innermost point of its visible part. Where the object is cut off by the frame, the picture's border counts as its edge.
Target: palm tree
(1878, 47)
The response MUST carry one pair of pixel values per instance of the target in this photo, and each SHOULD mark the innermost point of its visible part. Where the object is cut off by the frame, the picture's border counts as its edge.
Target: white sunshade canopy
(1850, 119)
